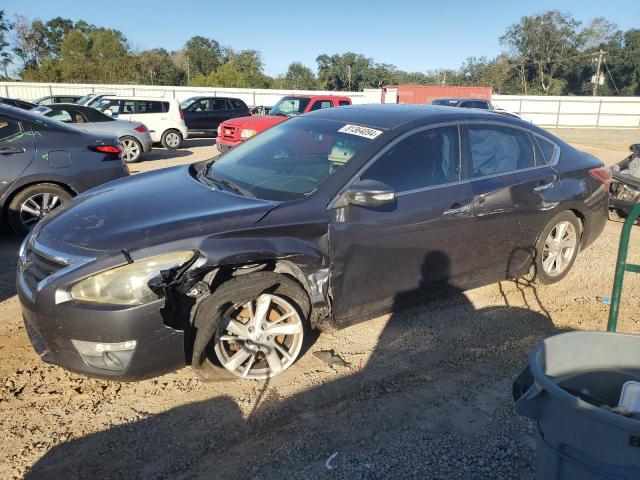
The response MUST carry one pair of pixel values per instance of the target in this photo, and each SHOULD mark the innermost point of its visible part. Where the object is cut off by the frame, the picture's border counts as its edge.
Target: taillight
(602, 174)
(181, 113)
(106, 148)
(141, 128)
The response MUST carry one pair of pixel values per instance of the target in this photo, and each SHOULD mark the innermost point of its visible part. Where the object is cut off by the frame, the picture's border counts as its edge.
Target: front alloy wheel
(261, 338)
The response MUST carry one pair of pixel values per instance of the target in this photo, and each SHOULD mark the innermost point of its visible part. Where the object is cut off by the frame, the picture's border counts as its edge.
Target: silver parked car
(133, 136)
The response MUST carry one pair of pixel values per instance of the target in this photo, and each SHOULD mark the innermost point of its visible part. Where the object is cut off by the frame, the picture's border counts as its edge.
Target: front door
(389, 255)
(17, 150)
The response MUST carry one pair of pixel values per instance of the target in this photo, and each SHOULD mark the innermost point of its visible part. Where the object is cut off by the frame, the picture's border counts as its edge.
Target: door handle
(11, 150)
(457, 210)
(542, 188)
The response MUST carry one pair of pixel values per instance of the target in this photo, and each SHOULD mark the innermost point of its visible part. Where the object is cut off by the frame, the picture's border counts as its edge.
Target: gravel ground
(421, 393)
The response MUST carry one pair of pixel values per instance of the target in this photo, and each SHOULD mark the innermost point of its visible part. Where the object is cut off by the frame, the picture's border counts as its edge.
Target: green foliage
(204, 55)
(5, 55)
(298, 77)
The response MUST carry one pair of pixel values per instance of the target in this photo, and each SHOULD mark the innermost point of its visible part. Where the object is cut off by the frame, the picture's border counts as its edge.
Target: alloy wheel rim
(259, 339)
(172, 139)
(559, 248)
(130, 150)
(37, 207)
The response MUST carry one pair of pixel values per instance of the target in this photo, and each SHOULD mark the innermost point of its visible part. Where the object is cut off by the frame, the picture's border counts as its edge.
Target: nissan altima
(328, 219)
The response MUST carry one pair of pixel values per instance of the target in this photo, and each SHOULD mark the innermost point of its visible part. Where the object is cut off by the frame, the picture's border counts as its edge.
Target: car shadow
(9, 246)
(431, 400)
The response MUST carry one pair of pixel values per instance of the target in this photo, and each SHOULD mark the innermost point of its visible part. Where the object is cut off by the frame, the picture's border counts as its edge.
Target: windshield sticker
(365, 132)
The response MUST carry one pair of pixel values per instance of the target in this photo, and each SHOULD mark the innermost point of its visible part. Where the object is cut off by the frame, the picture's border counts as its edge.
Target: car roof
(463, 99)
(136, 97)
(390, 116)
(317, 97)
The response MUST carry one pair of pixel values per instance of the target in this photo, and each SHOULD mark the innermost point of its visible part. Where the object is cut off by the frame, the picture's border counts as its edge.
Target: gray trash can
(569, 377)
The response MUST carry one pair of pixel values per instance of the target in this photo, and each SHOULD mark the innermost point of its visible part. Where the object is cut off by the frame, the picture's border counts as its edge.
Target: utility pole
(596, 79)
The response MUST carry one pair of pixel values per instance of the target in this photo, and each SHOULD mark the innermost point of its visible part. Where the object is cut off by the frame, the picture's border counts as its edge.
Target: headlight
(128, 284)
(247, 133)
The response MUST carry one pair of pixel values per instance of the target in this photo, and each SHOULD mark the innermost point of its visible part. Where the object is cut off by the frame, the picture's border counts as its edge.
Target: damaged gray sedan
(322, 221)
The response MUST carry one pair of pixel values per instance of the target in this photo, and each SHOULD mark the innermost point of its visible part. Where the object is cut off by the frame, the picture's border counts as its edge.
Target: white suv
(162, 116)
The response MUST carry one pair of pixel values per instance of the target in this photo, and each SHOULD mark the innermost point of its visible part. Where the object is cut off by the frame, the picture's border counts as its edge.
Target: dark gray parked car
(45, 163)
(323, 220)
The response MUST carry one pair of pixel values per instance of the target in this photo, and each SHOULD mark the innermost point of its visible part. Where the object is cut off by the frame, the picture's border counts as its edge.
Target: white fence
(251, 96)
(598, 112)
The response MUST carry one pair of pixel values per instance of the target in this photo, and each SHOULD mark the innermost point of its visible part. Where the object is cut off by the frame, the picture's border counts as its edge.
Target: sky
(413, 35)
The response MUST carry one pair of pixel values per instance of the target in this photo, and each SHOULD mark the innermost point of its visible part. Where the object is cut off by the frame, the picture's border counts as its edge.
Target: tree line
(546, 54)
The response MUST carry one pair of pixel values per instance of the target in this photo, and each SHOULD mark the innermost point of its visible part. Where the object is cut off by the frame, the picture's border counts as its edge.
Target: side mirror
(366, 193)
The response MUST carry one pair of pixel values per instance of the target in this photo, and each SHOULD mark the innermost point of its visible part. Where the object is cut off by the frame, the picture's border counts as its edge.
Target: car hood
(149, 209)
(256, 122)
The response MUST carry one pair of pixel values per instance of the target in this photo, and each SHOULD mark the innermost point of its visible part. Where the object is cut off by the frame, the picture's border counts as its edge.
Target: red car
(237, 130)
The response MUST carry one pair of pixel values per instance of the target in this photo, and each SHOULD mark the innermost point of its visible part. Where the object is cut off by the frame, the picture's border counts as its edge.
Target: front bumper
(51, 325)
(227, 144)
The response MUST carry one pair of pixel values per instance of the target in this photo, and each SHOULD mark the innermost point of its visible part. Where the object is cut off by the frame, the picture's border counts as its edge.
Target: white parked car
(162, 116)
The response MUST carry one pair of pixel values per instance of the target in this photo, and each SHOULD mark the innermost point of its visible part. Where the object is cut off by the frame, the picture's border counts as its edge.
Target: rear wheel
(131, 149)
(171, 139)
(557, 248)
(253, 326)
(34, 203)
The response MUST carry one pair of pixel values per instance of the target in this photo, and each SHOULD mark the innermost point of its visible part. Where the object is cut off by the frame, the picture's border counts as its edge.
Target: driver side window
(425, 159)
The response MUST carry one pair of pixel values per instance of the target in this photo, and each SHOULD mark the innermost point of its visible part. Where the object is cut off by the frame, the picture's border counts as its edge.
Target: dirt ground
(421, 393)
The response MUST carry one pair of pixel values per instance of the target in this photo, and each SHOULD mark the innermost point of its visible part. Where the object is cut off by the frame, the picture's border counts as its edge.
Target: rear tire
(171, 139)
(33, 203)
(557, 248)
(131, 149)
(230, 300)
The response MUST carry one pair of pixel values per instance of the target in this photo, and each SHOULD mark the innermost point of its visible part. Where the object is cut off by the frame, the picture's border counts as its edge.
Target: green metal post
(621, 267)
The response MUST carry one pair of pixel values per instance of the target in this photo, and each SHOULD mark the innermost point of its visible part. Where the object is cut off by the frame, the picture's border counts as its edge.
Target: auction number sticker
(365, 132)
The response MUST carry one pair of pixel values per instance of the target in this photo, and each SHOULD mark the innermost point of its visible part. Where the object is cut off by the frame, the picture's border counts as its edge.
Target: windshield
(83, 100)
(290, 106)
(41, 110)
(289, 160)
(186, 103)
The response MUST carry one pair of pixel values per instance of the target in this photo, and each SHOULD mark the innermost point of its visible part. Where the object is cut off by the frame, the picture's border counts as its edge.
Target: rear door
(513, 196)
(419, 245)
(153, 113)
(17, 150)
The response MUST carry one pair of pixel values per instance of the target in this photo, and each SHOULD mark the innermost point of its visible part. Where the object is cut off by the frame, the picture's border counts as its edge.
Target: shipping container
(425, 93)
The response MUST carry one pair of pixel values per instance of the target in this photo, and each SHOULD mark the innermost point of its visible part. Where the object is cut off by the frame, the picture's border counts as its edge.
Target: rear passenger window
(320, 104)
(219, 104)
(61, 116)
(497, 149)
(127, 106)
(237, 104)
(146, 106)
(422, 160)
(9, 129)
(546, 150)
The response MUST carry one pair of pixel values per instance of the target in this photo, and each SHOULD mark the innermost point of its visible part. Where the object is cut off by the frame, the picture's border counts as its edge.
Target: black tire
(237, 291)
(17, 217)
(167, 139)
(538, 273)
(136, 144)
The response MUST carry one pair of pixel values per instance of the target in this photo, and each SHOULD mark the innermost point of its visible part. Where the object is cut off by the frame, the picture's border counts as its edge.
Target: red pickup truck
(237, 130)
